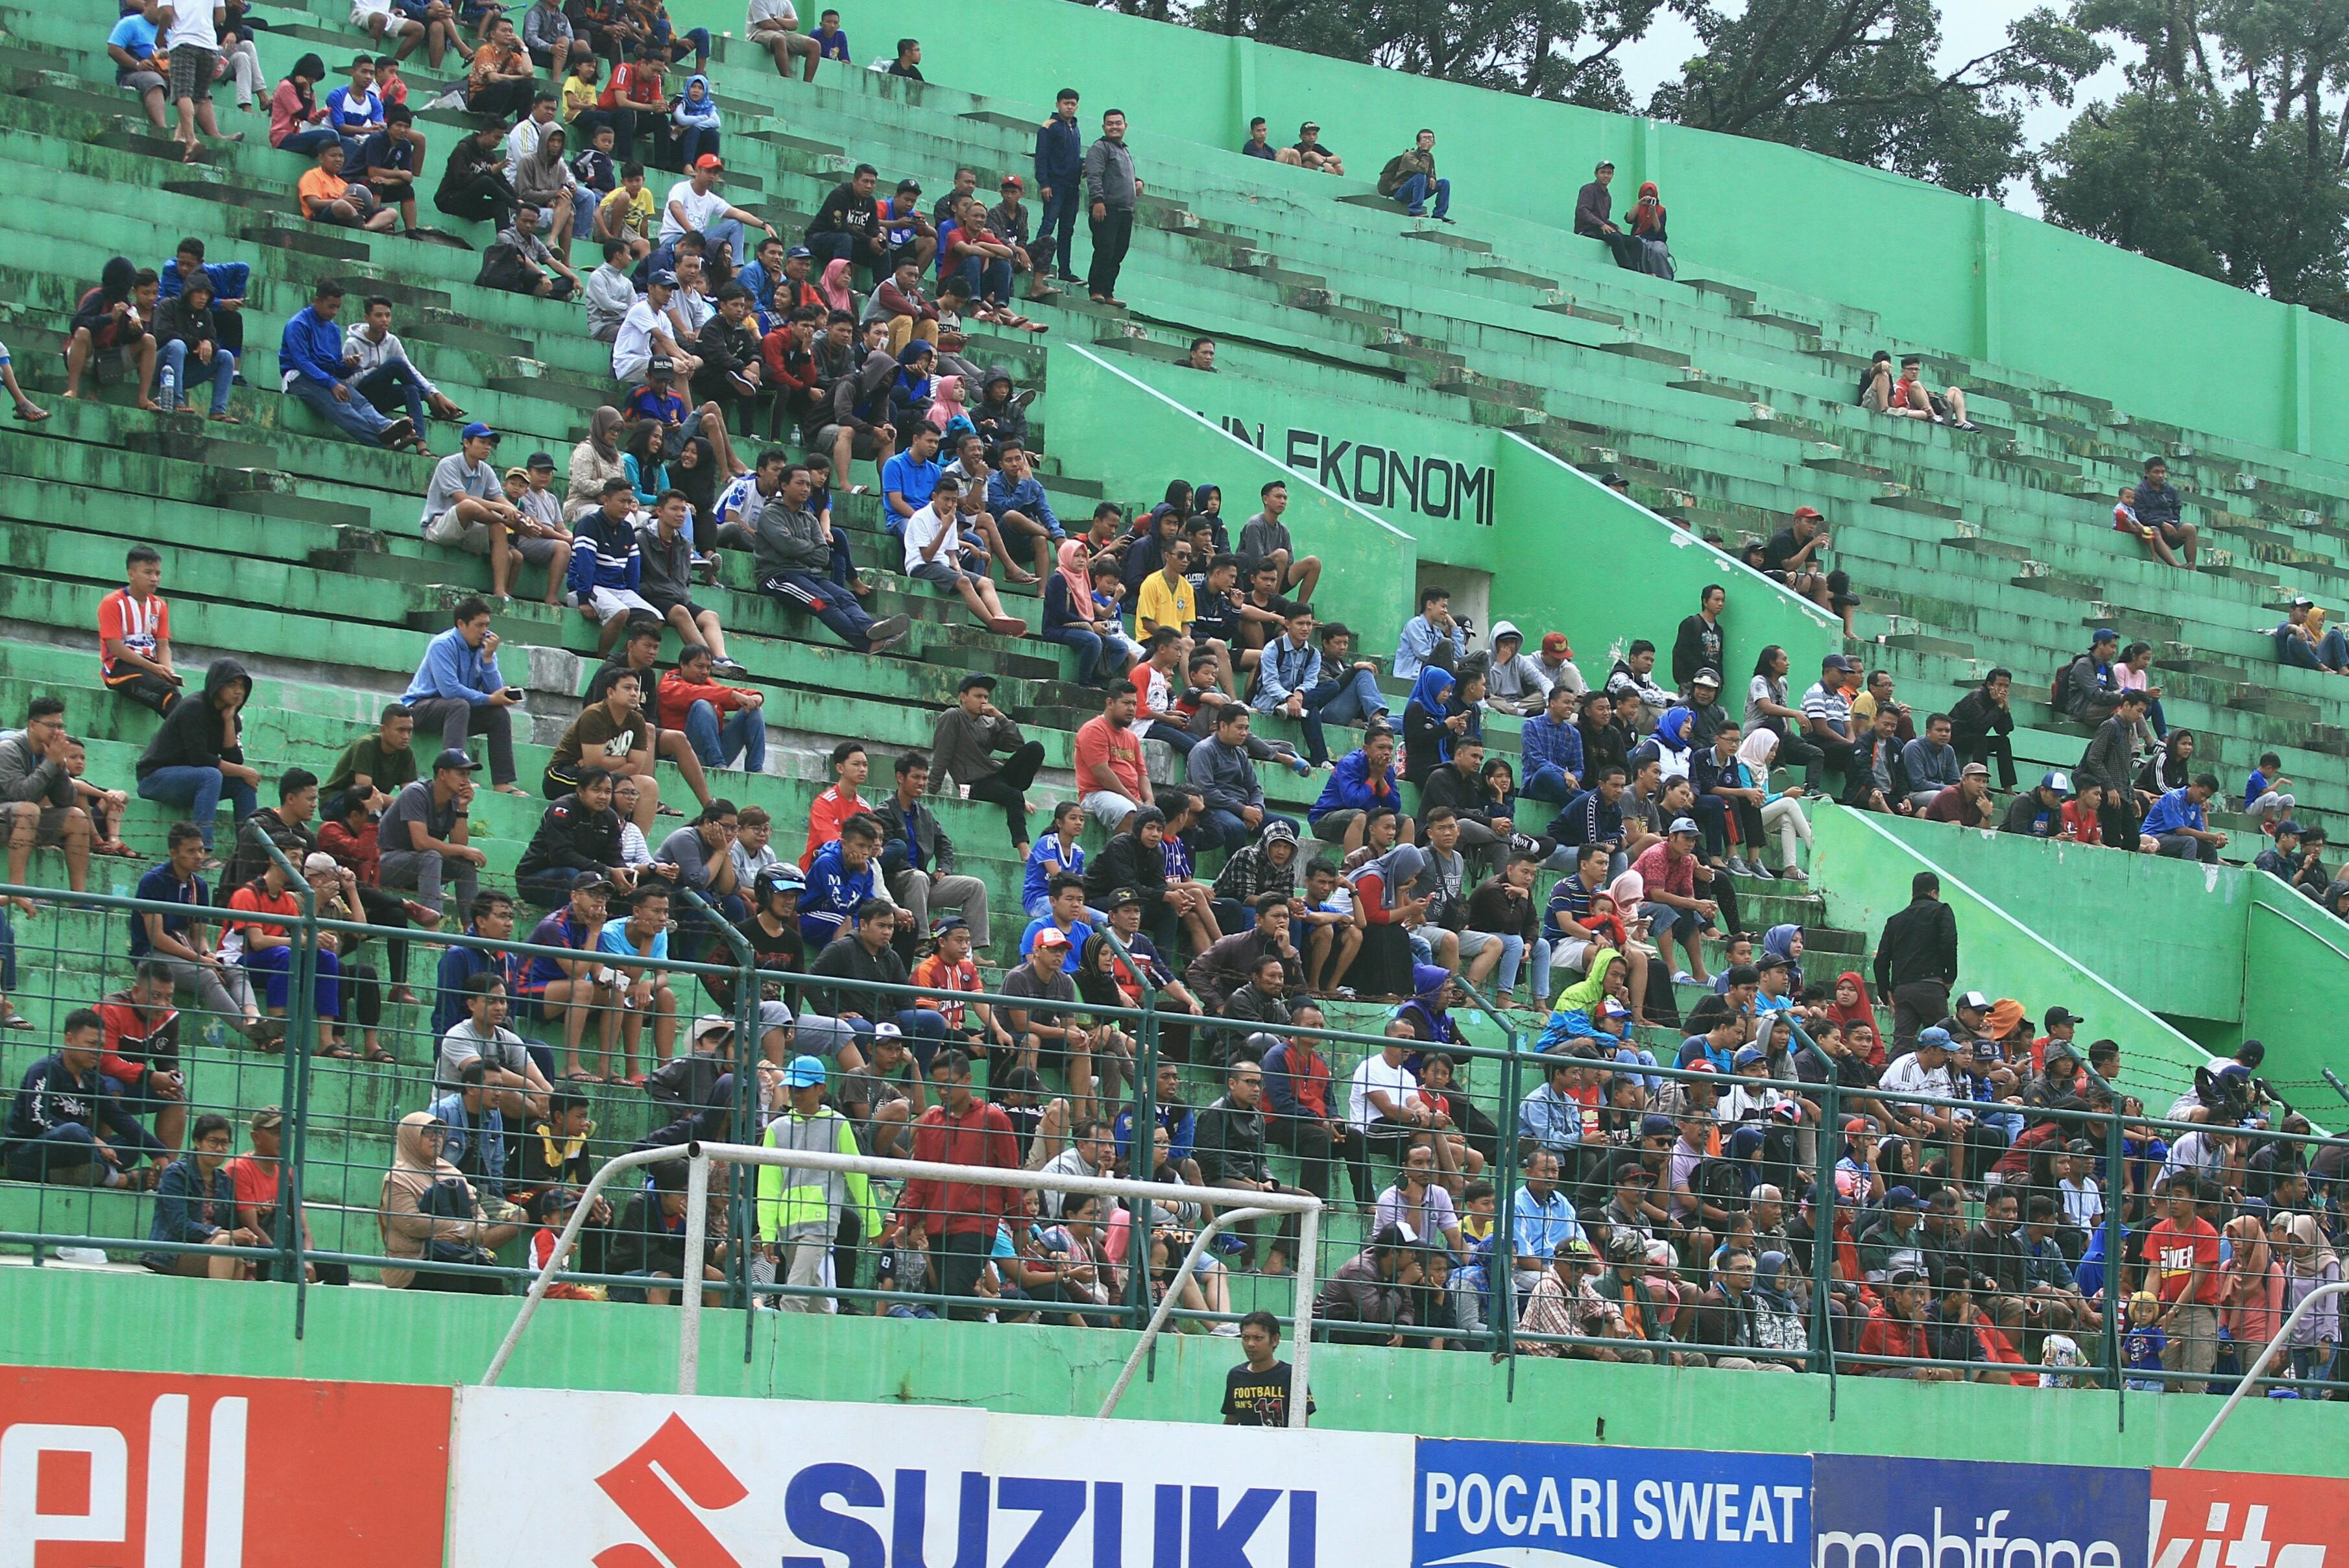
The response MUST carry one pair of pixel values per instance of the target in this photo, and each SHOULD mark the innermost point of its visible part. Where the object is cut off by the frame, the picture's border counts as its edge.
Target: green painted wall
(1973, 279)
(1139, 437)
(65, 1317)
(2223, 953)
(1865, 862)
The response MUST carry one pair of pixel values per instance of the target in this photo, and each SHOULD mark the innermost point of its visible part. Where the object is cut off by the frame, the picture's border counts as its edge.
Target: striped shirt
(138, 624)
(1835, 708)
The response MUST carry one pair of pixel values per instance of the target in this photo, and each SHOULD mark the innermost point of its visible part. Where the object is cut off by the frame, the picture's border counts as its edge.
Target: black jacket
(1229, 1144)
(1465, 793)
(845, 958)
(1862, 776)
(1126, 862)
(1698, 647)
(1224, 969)
(937, 850)
(1997, 1262)
(191, 732)
(1975, 716)
(250, 860)
(1601, 744)
(1921, 942)
(569, 837)
(2106, 760)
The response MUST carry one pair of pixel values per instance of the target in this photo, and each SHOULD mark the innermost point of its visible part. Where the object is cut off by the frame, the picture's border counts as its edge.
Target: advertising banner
(160, 1470)
(2272, 1522)
(1870, 1512)
(631, 1481)
(1558, 1505)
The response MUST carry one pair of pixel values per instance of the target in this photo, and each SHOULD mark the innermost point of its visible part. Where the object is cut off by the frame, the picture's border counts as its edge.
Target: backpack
(1391, 175)
(449, 1198)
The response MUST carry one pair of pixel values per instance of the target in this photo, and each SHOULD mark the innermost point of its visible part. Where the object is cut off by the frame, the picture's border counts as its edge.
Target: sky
(1968, 28)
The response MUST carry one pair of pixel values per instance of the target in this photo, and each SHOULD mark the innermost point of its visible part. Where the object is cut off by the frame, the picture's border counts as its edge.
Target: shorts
(861, 445)
(473, 538)
(944, 579)
(1571, 953)
(192, 65)
(51, 831)
(140, 82)
(604, 602)
(692, 611)
(1109, 808)
(1474, 943)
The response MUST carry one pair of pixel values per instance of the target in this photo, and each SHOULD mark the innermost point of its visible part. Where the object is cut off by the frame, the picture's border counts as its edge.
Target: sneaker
(1761, 872)
(1794, 874)
(727, 667)
(886, 631)
(1023, 397)
(1226, 1331)
(1736, 865)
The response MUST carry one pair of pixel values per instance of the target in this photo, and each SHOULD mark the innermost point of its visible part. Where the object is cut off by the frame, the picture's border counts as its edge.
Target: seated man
(2301, 639)
(935, 552)
(1906, 397)
(690, 700)
(318, 370)
(1792, 555)
(465, 505)
(611, 735)
(1671, 870)
(191, 352)
(792, 554)
(1410, 178)
(423, 833)
(63, 1126)
(2177, 822)
(113, 318)
(140, 65)
(134, 634)
(774, 26)
(1310, 154)
(2159, 511)
(327, 198)
(38, 799)
(664, 579)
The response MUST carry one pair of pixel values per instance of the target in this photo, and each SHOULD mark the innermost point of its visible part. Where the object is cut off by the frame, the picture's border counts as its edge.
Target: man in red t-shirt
(960, 1218)
(1671, 870)
(134, 636)
(258, 947)
(1111, 778)
(2181, 1253)
(1897, 1328)
(838, 803)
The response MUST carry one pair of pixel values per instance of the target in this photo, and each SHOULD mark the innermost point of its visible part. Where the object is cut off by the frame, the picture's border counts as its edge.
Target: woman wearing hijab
(544, 180)
(1851, 1005)
(1433, 721)
(296, 121)
(2309, 1262)
(695, 116)
(1645, 224)
(593, 460)
(1426, 1011)
(428, 1213)
(833, 284)
(1779, 1319)
(1782, 810)
(1070, 618)
(1786, 942)
(2251, 1287)
(695, 472)
(910, 393)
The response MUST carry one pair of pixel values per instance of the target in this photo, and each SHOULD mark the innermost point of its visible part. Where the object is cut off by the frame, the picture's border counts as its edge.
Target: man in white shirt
(1926, 1071)
(645, 332)
(1093, 1153)
(774, 26)
(190, 38)
(523, 138)
(934, 554)
(695, 206)
(512, 1082)
(1383, 1099)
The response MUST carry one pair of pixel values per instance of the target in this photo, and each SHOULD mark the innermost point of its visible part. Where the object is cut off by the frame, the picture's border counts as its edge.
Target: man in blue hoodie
(1364, 778)
(318, 372)
(1060, 182)
(64, 1127)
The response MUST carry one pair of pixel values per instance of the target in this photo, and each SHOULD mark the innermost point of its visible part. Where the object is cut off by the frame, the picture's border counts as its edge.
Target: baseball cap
(1772, 961)
(805, 1072)
(1706, 677)
(660, 365)
(1051, 937)
(2057, 780)
(477, 430)
(518, 472)
(710, 1023)
(1787, 1111)
(1975, 770)
(1936, 1037)
(1975, 1001)
(1986, 1051)
(455, 758)
(887, 1030)
(708, 160)
(1576, 1247)
(1611, 478)
(2302, 601)
(910, 183)
(2059, 1016)
(1749, 1056)
(978, 682)
(591, 880)
(1011, 182)
(1604, 164)
(1837, 661)
(317, 863)
(1684, 825)
(1810, 511)
(1611, 1008)
(540, 460)
(2289, 825)
(267, 1118)
(1654, 1124)
(664, 277)
(796, 252)
(946, 924)
(1121, 898)
(1904, 1197)
(1309, 125)
(2104, 634)
(1907, 1277)
(1552, 642)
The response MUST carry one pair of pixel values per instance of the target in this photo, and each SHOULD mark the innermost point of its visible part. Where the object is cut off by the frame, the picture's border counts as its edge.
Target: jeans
(1413, 194)
(307, 141)
(200, 790)
(724, 232)
(456, 719)
(395, 382)
(695, 141)
(1112, 235)
(422, 870)
(278, 964)
(2181, 846)
(1224, 829)
(220, 372)
(357, 417)
(1178, 740)
(1056, 227)
(1092, 652)
(1547, 782)
(1513, 953)
(743, 732)
(2333, 653)
(1343, 699)
(989, 277)
(924, 1030)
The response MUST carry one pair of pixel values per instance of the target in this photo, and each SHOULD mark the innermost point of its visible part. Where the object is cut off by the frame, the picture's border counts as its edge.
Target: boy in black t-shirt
(1257, 1393)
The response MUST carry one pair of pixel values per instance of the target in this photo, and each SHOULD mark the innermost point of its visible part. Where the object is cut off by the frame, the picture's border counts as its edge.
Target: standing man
(960, 1218)
(800, 1209)
(1060, 174)
(1916, 960)
(1112, 193)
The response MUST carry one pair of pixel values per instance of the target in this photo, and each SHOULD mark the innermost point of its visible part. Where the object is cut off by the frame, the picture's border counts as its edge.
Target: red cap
(1555, 642)
(708, 160)
(1011, 182)
(1809, 511)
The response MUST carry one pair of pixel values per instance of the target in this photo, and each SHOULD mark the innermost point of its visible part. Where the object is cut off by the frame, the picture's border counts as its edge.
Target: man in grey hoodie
(1112, 194)
(1515, 683)
(790, 550)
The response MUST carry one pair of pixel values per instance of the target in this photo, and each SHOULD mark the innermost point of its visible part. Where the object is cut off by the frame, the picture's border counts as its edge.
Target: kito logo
(1990, 1546)
(77, 1483)
(846, 1514)
(2247, 1546)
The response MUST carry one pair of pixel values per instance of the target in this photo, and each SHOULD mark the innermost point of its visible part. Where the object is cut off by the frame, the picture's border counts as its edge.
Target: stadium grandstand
(581, 582)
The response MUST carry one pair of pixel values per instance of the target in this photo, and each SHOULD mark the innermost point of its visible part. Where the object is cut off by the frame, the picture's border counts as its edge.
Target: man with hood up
(1517, 683)
(1001, 413)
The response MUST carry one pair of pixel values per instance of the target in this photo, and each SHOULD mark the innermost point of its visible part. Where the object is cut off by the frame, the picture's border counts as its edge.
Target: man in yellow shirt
(629, 213)
(1167, 598)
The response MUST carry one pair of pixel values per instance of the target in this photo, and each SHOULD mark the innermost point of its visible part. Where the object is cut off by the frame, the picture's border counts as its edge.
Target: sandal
(377, 1055)
(340, 1053)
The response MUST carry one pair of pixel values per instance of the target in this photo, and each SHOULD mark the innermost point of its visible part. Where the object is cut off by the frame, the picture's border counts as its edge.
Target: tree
(1856, 79)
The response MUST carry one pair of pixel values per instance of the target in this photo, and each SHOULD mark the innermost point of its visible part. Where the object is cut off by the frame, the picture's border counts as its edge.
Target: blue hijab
(1432, 692)
(1780, 941)
(913, 386)
(1426, 1009)
(1672, 728)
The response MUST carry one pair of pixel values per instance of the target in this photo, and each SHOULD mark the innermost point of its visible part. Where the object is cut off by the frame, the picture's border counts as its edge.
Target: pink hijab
(833, 286)
(947, 404)
(1076, 570)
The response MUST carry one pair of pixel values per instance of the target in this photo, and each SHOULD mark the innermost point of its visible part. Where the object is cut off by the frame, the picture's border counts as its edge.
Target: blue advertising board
(1482, 1504)
(1871, 1512)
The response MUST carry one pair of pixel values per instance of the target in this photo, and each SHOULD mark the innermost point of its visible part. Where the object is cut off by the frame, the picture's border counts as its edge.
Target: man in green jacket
(799, 1207)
